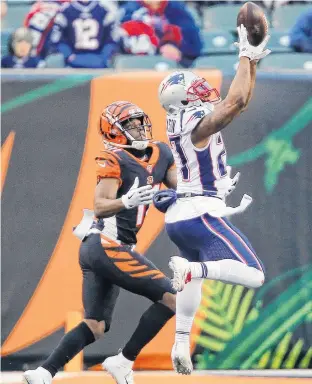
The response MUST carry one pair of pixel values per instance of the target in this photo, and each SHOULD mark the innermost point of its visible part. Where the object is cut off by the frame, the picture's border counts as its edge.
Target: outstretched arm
(230, 107)
(253, 72)
(239, 94)
(106, 204)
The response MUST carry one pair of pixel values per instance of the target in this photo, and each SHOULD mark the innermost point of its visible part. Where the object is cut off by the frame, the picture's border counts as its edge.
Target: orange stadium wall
(48, 150)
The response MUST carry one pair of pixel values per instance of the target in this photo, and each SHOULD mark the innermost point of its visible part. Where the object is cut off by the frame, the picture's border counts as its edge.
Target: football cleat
(181, 359)
(37, 376)
(181, 272)
(122, 373)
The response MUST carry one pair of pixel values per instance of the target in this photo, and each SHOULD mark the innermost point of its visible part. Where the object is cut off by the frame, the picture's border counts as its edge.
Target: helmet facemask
(201, 90)
(132, 131)
(138, 135)
(184, 89)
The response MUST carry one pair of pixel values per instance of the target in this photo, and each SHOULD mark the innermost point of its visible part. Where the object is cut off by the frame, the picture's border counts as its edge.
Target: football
(253, 18)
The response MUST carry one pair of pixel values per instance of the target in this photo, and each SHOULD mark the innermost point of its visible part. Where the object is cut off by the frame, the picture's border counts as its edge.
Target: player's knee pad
(163, 199)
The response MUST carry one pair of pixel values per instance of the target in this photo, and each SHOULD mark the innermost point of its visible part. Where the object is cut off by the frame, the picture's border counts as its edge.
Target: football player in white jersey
(210, 246)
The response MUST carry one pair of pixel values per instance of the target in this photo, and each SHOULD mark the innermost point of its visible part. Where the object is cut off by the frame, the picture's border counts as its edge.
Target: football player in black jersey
(129, 171)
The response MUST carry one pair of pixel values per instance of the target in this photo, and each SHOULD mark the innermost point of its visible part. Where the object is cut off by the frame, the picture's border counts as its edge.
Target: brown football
(253, 18)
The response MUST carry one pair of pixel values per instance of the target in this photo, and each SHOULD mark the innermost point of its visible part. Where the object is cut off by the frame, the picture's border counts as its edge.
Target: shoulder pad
(191, 117)
(108, 166)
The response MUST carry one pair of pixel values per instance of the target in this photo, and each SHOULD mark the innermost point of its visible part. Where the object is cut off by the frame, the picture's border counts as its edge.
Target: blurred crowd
(88, 34)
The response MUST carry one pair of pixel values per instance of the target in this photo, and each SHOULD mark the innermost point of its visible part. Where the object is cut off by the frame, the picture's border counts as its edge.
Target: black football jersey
(121, 164)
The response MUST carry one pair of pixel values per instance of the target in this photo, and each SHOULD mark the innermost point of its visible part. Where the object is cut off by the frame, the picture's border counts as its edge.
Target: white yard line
(15, 377)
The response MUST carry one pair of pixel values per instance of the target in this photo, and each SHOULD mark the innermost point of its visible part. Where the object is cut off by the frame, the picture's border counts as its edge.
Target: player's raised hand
(243, 44)
(138, 195)
(248, 50)
(260, 52)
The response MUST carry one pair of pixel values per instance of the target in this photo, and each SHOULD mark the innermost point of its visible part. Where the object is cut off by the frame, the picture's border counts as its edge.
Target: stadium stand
(226, 63)
(15, 16)
(285, 16)
(5, 35)
(218, 35)
(220, 17)
(218, 42)
(279, 41)
(288, 61)
(143, 62)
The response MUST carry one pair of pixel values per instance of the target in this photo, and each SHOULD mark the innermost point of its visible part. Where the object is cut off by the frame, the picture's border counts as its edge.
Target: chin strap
(136, 144)
(139, 145)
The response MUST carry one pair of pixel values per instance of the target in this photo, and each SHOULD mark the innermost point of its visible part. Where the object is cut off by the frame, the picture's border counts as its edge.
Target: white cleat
(37, 376)
(181, 272)
(181, 358)
(122, 374)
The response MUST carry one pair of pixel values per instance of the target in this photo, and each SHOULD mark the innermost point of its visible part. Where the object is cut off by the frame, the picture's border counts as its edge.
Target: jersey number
(86, 32)
(41, 20)
(221, 158)
(142, 210)
(141, 215)
(221, 166)
(176, 146)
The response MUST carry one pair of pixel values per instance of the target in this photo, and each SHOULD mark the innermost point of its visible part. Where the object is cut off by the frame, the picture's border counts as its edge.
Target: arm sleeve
(108, 166)
(191, 117)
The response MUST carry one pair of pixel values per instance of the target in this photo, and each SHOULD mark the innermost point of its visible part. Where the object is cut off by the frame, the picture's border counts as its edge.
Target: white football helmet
(183, 89)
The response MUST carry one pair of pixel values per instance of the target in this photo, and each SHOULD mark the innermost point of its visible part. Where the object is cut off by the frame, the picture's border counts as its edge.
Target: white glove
(259, 52)
(138, 196)
(248, 50)
(233, 181)
(243, 44)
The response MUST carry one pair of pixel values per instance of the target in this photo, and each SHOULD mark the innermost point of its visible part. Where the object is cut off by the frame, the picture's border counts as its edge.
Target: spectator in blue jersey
(85, 33)
(20, 45)
(301, 33)
(174, 26)
(40, 20)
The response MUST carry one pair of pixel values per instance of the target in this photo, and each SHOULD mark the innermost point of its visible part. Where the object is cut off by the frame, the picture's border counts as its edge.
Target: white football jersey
(198, 170)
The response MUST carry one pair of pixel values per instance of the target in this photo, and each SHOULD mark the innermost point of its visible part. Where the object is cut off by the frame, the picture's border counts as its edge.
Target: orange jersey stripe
(126, 266)
(152, 272)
